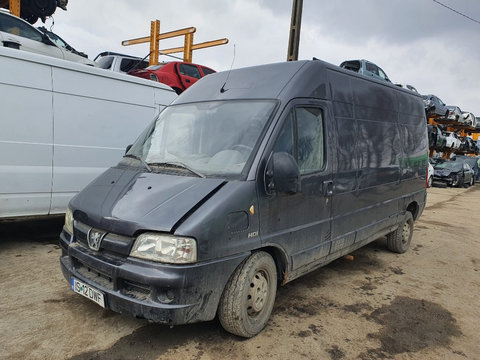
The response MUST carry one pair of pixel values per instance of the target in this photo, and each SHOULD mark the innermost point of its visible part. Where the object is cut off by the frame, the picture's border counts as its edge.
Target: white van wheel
(399, 240)
(430, 181)
(248, 298)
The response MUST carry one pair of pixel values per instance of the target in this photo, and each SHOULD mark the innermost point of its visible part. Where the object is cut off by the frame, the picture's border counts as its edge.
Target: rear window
(207, 71)
(130, 64)
(351, 65)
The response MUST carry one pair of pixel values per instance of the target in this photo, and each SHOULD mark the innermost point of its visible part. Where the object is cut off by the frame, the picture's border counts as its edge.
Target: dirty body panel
(360, 146)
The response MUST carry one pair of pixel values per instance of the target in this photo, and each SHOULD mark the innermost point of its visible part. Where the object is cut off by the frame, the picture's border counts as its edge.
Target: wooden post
(188, 51)
(15, 7)
(154, 41)
(295, 24)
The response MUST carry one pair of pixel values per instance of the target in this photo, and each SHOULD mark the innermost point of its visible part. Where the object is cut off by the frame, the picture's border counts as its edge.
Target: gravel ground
(423, 304)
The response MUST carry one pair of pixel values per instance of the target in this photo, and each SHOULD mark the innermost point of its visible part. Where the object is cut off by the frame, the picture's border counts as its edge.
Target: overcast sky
(417, 42)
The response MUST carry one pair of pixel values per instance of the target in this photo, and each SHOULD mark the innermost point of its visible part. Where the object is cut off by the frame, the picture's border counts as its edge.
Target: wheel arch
(280, 259)
(413, 208)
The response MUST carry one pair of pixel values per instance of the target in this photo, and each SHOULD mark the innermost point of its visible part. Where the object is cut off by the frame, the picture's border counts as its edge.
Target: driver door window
(302, 136)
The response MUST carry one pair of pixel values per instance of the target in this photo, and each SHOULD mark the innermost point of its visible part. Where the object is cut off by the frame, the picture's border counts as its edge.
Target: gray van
(251, 178)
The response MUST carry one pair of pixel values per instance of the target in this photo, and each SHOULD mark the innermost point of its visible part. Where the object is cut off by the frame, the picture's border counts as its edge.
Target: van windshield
(209, 138)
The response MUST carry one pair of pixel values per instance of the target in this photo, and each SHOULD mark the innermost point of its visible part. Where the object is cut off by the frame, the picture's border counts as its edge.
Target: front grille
(136, 290)
(94, 275)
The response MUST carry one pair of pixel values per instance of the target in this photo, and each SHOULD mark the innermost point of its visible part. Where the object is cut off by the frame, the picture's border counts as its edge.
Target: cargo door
(26, 148)
(300, 222)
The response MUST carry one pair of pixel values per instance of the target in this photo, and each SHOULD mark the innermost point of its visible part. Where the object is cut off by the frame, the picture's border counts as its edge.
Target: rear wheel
(399, 240)
(248, 298)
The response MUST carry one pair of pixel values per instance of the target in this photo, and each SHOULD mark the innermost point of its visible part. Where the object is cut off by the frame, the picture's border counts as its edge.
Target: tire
(430, 181)
(248, 298)
(399, 240)
(472, 181)
(455, 181)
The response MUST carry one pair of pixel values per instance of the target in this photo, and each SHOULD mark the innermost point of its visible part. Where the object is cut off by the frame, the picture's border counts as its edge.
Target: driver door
(300, 223)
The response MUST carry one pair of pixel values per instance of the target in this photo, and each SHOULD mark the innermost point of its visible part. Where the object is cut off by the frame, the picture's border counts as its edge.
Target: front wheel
(430, 181)
(399, 240)
(248, 298)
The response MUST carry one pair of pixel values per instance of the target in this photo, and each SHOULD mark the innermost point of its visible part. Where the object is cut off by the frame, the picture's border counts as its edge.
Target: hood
(443, 172)
(124, 201)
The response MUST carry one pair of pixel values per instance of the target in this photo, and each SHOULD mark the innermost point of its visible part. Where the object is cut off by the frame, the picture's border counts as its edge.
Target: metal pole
(294, 39)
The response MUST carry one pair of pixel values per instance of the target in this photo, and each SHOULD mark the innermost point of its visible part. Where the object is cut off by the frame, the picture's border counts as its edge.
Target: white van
(62, 124)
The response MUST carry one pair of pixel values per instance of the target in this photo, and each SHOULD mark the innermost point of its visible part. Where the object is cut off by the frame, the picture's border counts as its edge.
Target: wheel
(471, 181)
(248, 298)
(455, 180)
(399, 240)
(430, 181)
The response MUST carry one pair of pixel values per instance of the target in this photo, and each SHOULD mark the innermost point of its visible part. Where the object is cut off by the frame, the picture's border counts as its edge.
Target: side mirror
(283, 174)
(128, 148)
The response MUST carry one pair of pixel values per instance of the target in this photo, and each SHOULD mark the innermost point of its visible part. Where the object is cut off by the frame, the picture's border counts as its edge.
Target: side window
(189, 70)
(311, 156)
(372, 68)
(302, 136)
(16, 27)
(382, 74)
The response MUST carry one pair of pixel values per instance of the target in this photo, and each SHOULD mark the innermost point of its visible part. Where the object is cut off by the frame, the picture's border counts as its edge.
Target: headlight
(165, 248)
(69, 220)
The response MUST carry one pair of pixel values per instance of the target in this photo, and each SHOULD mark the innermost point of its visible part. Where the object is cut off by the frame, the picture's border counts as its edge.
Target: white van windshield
(209, 138)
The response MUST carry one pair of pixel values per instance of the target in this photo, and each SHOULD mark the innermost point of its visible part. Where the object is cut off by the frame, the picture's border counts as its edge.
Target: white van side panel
(61, 125)
(92, 137)
(26, 123)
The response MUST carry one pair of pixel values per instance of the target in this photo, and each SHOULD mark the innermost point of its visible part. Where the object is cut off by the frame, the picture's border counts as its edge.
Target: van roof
(282, 81)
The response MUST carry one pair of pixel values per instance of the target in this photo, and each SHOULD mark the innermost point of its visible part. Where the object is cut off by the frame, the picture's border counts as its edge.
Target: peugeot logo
(94, 239)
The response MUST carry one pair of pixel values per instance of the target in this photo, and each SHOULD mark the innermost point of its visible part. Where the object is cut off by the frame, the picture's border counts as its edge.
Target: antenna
(222, 90)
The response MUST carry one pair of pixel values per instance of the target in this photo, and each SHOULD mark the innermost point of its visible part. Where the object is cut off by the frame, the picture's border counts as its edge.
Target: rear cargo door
(300, 223)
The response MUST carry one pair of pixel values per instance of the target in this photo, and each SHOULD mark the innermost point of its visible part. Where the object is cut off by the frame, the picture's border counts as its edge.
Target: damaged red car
(178, 75)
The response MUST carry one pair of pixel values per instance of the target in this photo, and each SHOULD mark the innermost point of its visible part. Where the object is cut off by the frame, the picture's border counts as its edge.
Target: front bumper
(163, 293)
(444, 180)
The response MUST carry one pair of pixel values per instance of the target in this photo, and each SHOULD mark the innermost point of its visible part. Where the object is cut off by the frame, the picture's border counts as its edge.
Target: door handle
(187, 80)
(328, 188)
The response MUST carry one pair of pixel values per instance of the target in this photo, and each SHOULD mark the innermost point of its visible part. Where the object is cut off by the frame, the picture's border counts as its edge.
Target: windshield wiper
(178, 165)
(141, 159)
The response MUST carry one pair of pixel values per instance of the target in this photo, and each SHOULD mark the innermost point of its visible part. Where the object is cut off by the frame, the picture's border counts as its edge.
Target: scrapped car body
(366, 68)
(408, 87)
(453, 142)
(455, 114)
(18, 34)
(434, 107)
(470, 160)
(430, 175)
(178, 75)
(117, 62)
(250, 179)
(453, 173)
(469, 119)
(436, 139)
(61, 43)
(468, 145)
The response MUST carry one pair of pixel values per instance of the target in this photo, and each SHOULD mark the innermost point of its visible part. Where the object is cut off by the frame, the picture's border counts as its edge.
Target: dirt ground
(423, 304)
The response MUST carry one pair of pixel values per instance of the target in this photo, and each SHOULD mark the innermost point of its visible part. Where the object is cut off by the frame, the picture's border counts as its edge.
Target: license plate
(87, 291)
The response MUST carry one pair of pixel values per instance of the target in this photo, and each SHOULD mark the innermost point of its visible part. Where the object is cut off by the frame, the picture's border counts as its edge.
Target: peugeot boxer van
(250, 179)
